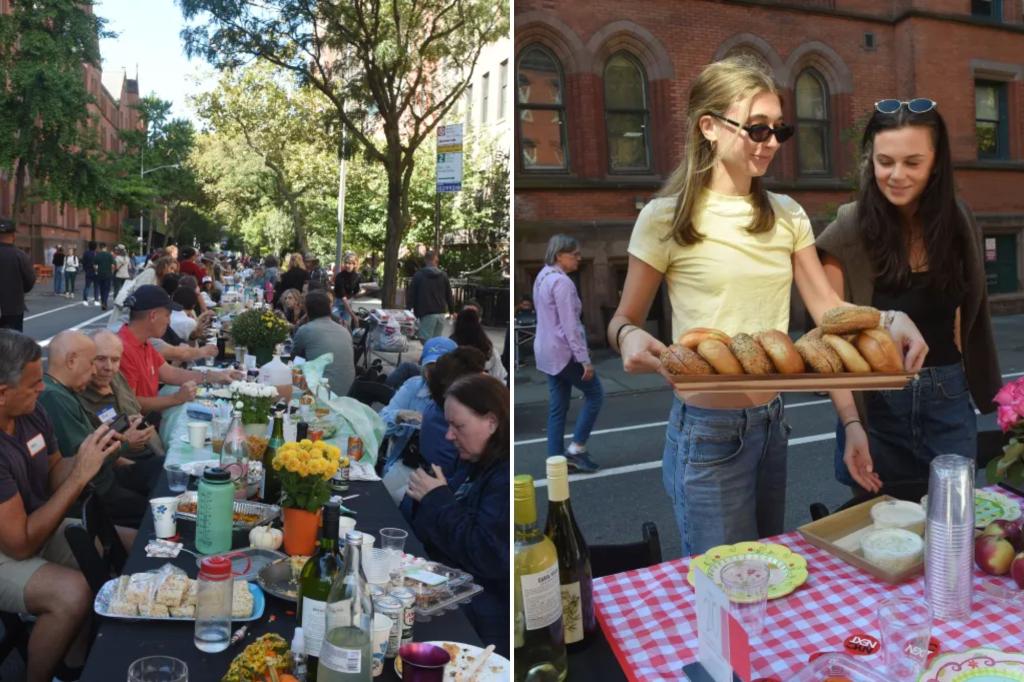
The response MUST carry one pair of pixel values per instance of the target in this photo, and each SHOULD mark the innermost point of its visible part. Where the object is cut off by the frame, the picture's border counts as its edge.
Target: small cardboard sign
(723, 647)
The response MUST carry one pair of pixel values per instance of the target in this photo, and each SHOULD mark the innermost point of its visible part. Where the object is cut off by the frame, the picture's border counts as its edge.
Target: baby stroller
(370, 369)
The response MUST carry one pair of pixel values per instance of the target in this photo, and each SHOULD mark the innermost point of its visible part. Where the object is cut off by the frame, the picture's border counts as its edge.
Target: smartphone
(151, 419)
(121, 424)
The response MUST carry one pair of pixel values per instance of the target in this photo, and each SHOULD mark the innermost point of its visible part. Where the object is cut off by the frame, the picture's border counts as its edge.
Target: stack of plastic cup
(949, 540)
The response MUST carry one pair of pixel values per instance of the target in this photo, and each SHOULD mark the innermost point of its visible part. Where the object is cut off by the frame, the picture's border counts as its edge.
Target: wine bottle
(234, 455)
(574, 576)
(315, 585)
(346, 654)
(270, 491)
(539, 635)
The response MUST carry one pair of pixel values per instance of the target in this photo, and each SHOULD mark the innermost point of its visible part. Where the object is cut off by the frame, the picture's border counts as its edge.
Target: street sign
(449, 158)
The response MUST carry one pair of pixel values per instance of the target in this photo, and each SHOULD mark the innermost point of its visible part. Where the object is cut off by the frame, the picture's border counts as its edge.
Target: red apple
(1010, 530)
(993, 554)
(1017, 570)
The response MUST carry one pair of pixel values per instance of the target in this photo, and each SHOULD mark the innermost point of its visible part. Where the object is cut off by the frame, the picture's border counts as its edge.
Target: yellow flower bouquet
(306, 468)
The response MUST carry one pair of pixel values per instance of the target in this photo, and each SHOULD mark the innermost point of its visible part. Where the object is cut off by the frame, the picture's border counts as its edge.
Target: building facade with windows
(601, 96)
(47, 224)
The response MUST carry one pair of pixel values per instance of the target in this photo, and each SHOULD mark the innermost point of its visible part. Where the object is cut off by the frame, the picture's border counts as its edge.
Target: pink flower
(1007, 417)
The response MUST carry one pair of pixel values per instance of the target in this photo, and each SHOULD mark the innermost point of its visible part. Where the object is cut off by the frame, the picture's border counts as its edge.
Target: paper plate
(788, 569)
(976, 665)
(464, 656)
(989, 506)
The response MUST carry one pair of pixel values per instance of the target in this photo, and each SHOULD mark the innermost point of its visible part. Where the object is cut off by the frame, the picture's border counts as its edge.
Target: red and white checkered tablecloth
(649, 619)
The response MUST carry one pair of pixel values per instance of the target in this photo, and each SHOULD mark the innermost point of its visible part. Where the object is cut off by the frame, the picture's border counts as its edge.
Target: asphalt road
(49, 314)
(628, 440)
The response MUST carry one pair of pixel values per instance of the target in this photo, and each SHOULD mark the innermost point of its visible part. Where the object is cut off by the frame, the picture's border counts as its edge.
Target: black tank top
(933, 313)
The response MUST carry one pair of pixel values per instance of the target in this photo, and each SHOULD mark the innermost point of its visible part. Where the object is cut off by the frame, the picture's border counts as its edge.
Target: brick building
(47, 224)
(601, 94)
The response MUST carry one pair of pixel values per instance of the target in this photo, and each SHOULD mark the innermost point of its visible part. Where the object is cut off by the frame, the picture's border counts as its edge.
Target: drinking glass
(177, 479)
(158, 669)
(218, 432)
(906, 626)
(393, 539)
(240, 353)
(745, 584)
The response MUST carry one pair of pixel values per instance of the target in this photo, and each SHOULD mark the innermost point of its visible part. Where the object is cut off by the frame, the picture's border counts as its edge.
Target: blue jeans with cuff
(725, 472)
(559, 391)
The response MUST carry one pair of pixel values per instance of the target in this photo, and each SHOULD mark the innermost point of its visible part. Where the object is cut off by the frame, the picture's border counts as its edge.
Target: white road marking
(63, 307)
(46, 342)
(635, 427)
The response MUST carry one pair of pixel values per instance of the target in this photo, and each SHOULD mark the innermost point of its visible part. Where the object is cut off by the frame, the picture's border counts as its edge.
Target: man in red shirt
(188, 263)
(143, 368)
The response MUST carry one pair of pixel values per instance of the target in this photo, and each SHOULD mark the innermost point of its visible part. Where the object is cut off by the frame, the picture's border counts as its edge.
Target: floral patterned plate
(976, 665)
(989, 506)
(788, 569)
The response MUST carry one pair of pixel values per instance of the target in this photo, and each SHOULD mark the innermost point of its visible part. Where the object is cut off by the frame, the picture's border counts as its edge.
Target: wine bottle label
(542, 600)
(339, 614)
(341, 660)
(572, 613)
(314, 619)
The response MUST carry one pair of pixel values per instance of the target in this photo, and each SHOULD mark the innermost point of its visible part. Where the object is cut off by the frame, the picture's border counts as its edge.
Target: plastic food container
(838, 666)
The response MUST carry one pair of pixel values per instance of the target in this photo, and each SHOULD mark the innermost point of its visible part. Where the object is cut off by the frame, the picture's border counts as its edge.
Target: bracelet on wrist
(851, 421)
(635, 328)
(887, 318)
(618, 334)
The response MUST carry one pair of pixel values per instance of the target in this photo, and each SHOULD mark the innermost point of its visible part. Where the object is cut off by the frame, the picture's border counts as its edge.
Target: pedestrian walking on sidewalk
(89, 268)
(104, 273)
(560, 347)
(430, 298)
(71, 267)
(57, 261)
(17, 277)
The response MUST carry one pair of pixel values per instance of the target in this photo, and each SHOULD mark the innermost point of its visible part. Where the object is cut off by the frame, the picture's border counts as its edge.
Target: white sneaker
(575, 449)
(85, 303)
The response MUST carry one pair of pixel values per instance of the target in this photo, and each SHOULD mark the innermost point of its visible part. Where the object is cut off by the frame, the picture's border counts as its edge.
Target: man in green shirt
(69, 371)
(104, 273)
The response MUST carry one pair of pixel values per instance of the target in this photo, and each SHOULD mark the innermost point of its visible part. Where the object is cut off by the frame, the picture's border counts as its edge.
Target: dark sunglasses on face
(918, 105)
(760, 132)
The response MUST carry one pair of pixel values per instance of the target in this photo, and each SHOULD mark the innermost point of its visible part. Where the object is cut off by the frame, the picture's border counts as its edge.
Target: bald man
(68, 373)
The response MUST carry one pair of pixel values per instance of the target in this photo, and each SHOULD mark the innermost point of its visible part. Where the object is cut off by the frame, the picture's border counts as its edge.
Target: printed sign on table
(723, 648)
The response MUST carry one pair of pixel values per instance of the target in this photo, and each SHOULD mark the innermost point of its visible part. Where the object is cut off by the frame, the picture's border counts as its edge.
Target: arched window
(540, 101)
(626, 115)
(812, 124)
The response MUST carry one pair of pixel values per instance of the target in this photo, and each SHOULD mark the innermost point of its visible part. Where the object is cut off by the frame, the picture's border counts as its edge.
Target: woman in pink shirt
(561, 351)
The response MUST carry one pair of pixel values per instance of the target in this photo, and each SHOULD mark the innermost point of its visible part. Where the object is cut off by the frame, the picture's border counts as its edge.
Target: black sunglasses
(918, 105)
(760, 132)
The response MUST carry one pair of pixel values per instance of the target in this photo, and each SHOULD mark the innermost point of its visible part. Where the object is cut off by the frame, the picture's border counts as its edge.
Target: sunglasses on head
(918, 105)
(760, 132)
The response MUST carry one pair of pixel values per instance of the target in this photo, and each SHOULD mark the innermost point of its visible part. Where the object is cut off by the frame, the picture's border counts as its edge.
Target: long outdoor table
(119, 642)
(649, 620)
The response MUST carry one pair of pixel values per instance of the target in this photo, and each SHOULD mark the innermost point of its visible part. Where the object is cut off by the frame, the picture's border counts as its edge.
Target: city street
(628, 439)
(48, 314)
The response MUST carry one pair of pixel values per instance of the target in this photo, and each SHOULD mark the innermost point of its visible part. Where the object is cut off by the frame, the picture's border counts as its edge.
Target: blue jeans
(932, 415)
(559, 391)
(431, 326)
(91, 283)
(725, 472)
(58, 280)
(103, 285)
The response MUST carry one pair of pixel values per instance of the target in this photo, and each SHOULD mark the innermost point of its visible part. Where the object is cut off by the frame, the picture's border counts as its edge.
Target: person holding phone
(69, 370)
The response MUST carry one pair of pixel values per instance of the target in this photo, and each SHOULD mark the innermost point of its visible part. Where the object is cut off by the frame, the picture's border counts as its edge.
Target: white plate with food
(464, 659)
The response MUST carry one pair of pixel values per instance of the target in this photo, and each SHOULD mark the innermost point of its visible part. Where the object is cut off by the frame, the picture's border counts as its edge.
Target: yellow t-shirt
(733, 280)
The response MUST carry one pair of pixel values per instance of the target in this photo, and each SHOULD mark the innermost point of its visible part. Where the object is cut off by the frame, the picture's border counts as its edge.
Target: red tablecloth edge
(620, 656)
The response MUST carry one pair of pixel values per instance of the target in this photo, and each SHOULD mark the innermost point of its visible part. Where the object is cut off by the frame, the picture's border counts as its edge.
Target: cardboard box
(825, 533)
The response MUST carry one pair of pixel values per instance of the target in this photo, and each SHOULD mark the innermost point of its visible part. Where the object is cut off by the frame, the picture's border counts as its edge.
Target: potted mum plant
(254, 400)
(259, 330)
(305, 469)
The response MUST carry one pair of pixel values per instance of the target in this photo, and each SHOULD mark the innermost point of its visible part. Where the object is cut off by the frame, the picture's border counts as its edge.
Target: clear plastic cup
(906, 627)
(377, 565)
(158, 669)
(393, 539)
(177, 478)
(745, 584)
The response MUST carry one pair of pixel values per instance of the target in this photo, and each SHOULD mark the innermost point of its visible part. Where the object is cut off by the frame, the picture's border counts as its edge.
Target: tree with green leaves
(397, 66)
(44, 102)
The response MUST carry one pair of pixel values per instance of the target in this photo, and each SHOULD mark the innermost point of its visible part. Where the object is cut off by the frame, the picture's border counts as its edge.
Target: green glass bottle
(270, 487)
(315, 585)
(539, 654)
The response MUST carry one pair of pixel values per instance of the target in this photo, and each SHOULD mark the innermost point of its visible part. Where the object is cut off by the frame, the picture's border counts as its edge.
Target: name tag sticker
(36, 444)
(107, 415)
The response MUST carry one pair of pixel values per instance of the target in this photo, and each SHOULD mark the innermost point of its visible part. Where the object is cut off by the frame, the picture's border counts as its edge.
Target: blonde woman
(295, 277)
(728, 252)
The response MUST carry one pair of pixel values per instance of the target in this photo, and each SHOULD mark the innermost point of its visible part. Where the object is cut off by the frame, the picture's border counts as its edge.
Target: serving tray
(101, 605)
(740, 383)
(265, 512)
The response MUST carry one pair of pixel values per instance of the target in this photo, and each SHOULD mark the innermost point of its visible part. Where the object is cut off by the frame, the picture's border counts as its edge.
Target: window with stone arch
(627, 115)
(812, 124)
(540, 109)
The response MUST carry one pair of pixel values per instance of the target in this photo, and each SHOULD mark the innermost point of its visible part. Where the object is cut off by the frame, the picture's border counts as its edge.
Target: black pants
(127, 499)
(15, 322)
(103, 283)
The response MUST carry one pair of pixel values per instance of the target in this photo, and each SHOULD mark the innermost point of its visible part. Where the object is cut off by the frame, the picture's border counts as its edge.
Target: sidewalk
(531, 385)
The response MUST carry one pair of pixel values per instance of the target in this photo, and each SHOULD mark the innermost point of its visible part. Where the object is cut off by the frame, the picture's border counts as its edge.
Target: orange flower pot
(300, 531)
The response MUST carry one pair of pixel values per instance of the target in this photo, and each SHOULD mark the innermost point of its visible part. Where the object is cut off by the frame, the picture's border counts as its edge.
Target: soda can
(408, 599)
(355, 448)
(392, 608)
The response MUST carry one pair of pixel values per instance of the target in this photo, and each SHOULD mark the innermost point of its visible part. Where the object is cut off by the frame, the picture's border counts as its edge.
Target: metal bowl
(277, 579)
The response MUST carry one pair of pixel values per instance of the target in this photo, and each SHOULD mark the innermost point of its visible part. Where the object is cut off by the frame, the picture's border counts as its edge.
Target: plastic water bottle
(215, 499)
(213, 605)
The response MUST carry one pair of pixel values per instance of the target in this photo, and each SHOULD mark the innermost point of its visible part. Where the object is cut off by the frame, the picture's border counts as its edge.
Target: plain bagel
(852, 360)
(880, 350)
(691, 338)
(781, 350)
(719, 356)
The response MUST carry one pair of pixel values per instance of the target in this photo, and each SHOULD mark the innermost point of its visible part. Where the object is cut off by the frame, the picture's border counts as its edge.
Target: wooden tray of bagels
(849, 350)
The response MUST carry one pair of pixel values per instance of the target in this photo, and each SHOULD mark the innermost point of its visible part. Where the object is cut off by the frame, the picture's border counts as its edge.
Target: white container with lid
(892, 549)
(899, 514)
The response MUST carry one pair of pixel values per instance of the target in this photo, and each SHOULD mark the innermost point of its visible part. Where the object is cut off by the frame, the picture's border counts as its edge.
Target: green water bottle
(215, 511)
